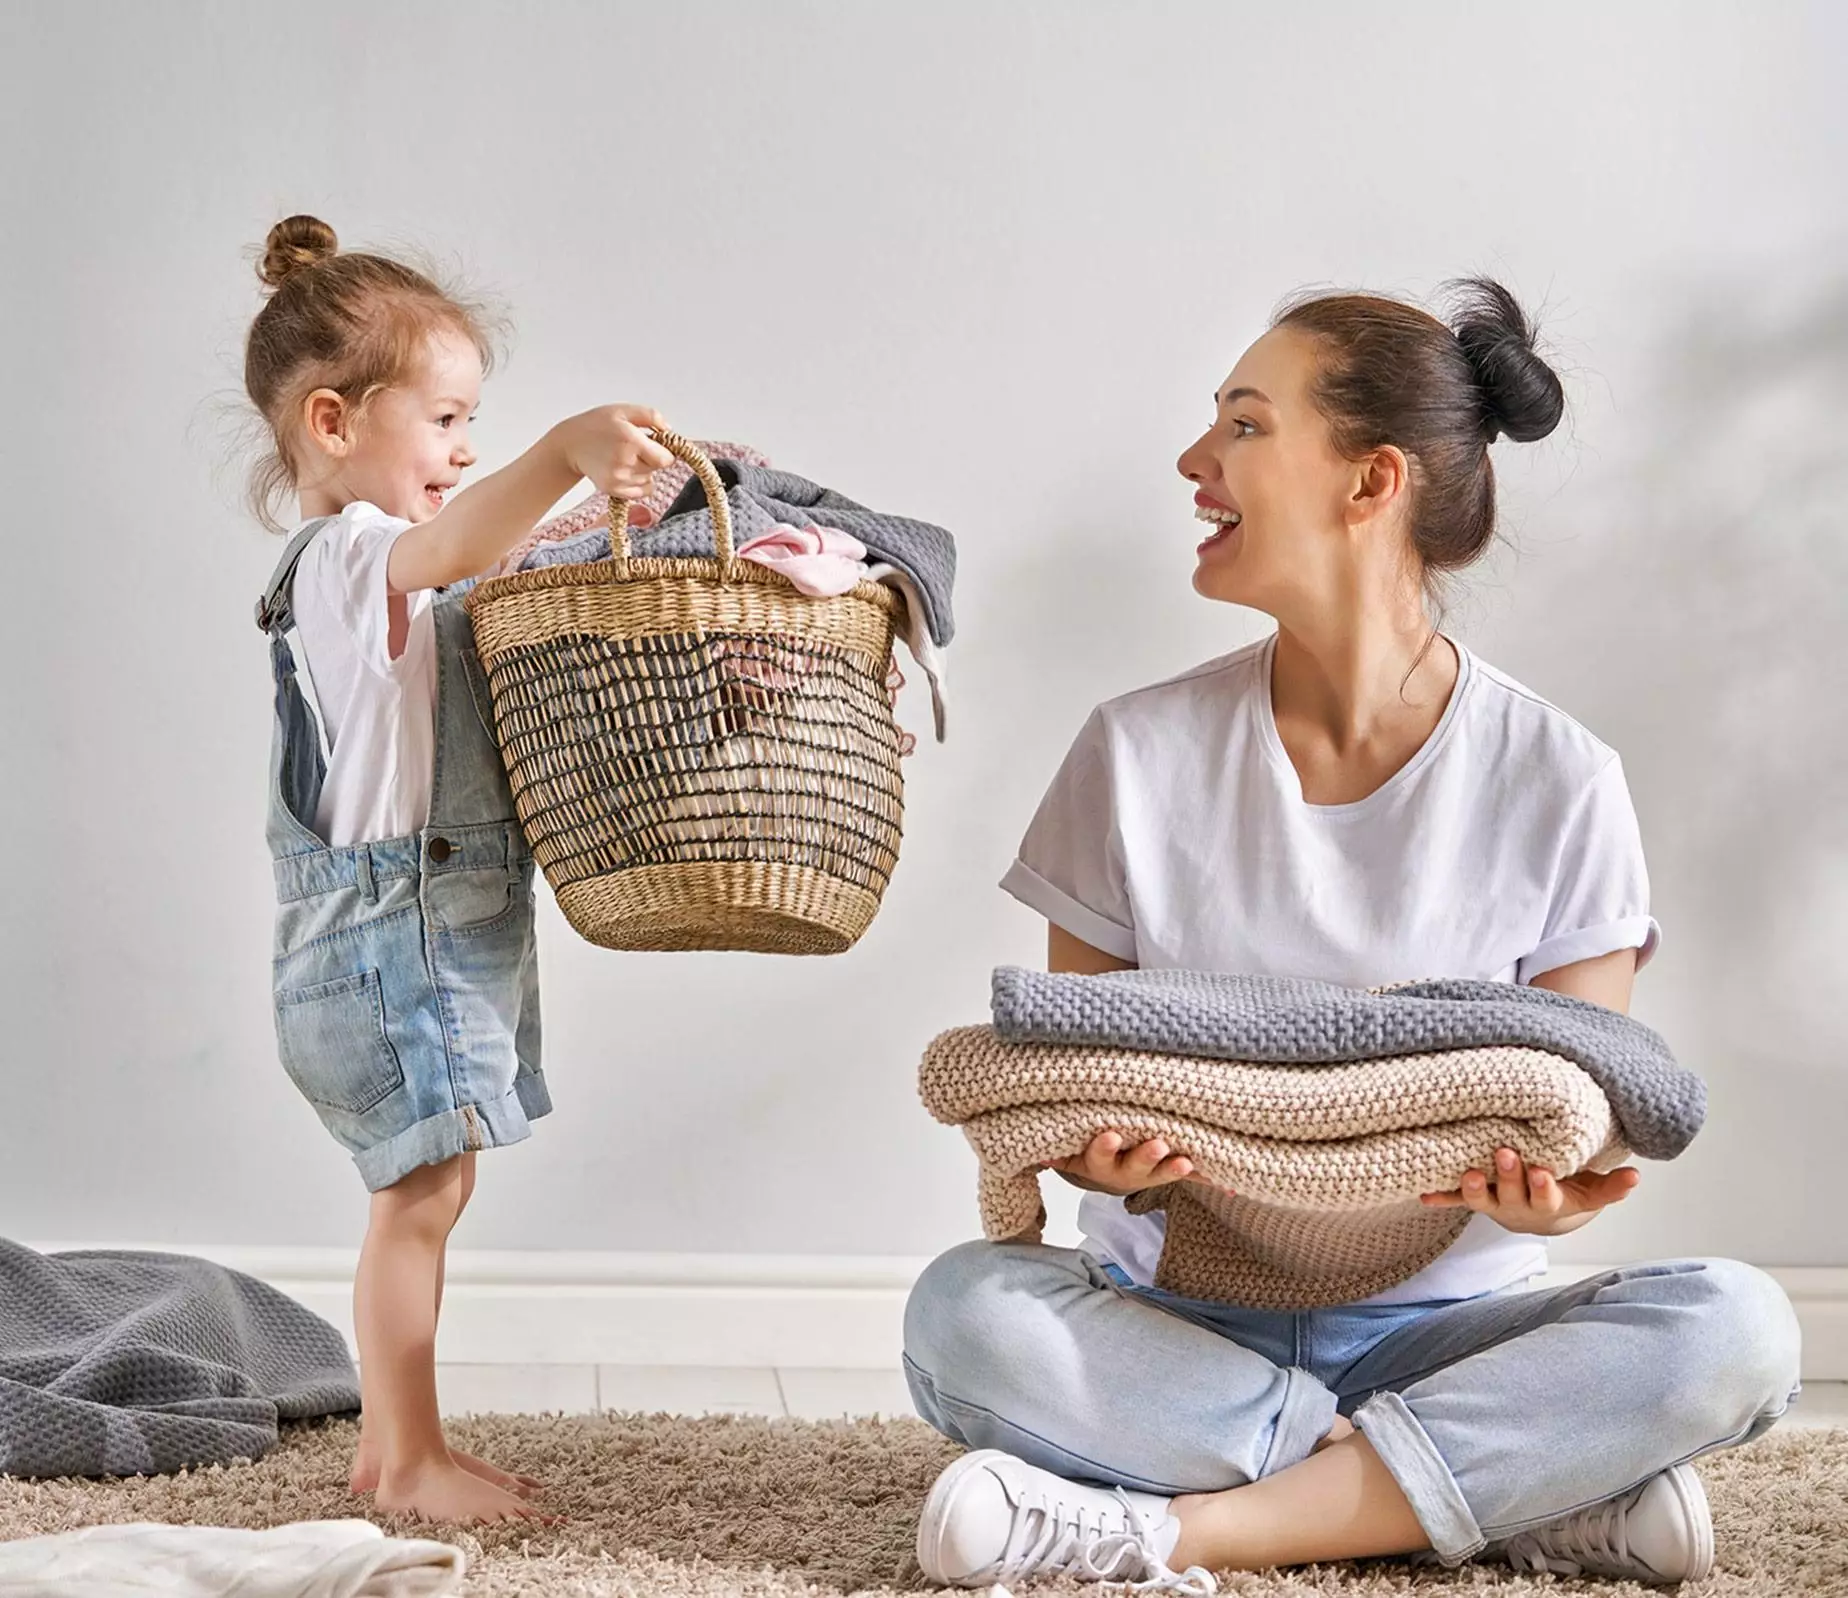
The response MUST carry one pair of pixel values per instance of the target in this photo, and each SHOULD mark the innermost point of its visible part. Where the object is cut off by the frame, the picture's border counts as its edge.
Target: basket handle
(709, 479)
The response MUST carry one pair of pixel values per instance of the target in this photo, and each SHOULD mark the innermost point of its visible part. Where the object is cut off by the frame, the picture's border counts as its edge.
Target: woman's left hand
(1528, 1198)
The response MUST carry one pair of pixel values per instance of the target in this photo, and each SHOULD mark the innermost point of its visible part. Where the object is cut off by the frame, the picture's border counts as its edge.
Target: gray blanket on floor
(126, 1364)
(760, 498)
(1658, 1103)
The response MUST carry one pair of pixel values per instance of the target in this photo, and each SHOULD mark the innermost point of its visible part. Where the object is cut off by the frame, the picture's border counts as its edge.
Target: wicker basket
(701, 756)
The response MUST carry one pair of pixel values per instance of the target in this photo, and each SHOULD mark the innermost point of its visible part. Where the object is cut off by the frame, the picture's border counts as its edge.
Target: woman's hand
(1106, 1166)
(1528, 1198)
(611, 447)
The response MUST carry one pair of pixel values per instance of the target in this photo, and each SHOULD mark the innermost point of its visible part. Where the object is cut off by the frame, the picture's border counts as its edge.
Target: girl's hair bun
(293, 243)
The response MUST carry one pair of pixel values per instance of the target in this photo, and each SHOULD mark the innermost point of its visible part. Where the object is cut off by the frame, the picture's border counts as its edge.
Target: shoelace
(1072, 1542)
(1563, 1548)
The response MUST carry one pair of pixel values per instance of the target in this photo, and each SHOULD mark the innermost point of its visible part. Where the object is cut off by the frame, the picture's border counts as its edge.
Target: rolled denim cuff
(1408, 1452)
(1303, 1419)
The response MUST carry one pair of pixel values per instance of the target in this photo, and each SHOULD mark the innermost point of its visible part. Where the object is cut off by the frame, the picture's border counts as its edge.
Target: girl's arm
(484, 521)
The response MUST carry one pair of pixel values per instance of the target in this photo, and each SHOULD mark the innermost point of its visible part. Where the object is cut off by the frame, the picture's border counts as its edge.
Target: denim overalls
(406, 975)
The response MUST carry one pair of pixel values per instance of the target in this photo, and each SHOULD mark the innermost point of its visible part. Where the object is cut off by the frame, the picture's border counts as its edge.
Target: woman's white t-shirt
(378, 710)
(1175, 835)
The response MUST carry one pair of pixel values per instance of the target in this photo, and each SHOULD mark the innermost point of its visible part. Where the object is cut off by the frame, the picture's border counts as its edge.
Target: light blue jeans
(1494, 1414)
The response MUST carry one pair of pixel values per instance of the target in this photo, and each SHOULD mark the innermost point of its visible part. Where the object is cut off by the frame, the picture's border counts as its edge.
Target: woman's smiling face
(1269, 480)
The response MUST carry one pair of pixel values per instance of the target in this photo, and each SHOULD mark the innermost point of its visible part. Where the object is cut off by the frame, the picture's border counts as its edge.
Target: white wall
(977, 263)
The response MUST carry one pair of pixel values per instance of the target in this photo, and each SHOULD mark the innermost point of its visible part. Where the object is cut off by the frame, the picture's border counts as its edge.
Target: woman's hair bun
(1521, 394)
(293, 243)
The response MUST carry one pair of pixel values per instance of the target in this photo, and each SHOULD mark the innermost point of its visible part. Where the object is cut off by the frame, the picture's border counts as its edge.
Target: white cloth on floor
(917, 635)
(309, 1559)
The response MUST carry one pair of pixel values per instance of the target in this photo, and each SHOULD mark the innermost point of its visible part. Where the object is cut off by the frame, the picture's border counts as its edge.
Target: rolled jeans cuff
(1406, 1449)
(1303, 1419)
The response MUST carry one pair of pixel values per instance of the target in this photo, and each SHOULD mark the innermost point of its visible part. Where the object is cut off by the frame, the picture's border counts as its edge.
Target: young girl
(406, 978)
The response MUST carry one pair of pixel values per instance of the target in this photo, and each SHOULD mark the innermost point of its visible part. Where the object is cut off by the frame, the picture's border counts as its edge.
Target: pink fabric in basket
(820, 561)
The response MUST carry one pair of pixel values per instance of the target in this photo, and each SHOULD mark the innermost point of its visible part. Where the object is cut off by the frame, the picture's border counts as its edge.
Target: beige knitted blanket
(1325, 1163)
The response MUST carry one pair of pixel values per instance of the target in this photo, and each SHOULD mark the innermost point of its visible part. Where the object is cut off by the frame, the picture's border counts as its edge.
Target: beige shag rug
(694, 1508)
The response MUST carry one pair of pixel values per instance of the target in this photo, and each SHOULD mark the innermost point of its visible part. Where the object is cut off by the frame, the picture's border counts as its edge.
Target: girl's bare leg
(396, 1292)
(366, 1462)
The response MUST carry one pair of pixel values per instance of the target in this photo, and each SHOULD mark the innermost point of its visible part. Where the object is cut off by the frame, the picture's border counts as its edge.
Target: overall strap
(468, 785)
(276, 609)
(298, 766)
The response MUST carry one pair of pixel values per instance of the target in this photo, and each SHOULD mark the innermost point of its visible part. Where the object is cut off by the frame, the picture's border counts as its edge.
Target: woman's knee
(1747, 1342)
(968, 1304)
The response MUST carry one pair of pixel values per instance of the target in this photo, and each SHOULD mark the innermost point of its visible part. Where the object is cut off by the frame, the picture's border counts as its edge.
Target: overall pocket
(470, 903)
(333, 1043)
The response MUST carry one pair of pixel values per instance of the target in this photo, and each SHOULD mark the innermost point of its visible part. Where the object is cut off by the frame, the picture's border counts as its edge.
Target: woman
(1356, 799)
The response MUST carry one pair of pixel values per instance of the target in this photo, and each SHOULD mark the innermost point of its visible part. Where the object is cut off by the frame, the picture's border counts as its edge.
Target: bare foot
(442, 1490)
(365, 1477)
(511, 1480)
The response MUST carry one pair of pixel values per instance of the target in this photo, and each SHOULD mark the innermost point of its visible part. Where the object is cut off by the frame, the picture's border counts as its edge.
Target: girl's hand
(1106, 1166)
(610, 447)
(1526, 1198)
(477, 528)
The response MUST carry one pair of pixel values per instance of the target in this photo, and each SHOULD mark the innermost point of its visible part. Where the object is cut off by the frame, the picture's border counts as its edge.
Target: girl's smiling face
(410, 446)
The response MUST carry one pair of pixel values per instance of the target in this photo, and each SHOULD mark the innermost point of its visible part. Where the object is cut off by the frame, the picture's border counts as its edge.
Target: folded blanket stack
(1325, 1110)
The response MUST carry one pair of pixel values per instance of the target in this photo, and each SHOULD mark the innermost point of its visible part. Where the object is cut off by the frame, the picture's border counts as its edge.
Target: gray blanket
(120, 1364)
(1658, 1103)
(761, 497)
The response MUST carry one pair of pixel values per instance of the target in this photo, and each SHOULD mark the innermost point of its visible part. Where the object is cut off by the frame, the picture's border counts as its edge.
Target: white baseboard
(745, 1310)
(560, 1308)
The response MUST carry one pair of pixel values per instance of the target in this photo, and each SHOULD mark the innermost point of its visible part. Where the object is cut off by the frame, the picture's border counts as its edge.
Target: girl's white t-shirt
(1175, 835)
(378, 710)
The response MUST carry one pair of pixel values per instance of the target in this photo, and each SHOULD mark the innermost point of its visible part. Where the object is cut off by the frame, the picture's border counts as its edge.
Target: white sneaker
(994, 1518)
(1662, 1531)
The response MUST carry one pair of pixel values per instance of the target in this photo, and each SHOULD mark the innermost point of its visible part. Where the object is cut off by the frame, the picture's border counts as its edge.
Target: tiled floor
(804, 1394)
(685, 1390)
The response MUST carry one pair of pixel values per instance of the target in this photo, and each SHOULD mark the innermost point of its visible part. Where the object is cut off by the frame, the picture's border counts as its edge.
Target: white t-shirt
(378, 710)
(1175, 835)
